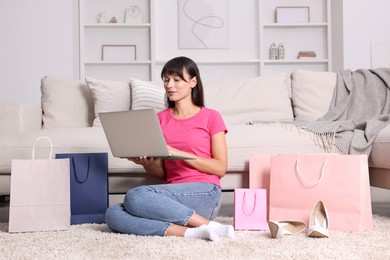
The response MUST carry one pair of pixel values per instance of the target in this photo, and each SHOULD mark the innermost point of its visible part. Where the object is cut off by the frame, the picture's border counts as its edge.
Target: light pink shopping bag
(40, 194)
(298, 181)
(259, 173)
(250, 210)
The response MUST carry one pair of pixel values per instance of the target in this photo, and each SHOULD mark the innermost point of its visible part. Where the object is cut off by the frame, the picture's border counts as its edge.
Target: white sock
(203, 232)
(222, 230)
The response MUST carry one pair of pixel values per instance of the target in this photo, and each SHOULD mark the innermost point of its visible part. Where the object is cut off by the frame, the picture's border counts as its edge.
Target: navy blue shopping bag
(88, 186)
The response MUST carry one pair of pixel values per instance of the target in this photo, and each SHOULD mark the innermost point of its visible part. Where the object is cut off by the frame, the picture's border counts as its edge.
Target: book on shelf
(307, 58)
(307, 54)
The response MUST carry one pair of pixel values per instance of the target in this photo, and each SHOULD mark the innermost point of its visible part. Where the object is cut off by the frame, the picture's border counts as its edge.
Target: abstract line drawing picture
(204, 24)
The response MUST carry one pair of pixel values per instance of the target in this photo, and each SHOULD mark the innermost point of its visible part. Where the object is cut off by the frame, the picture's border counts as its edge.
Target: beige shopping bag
(40, 194)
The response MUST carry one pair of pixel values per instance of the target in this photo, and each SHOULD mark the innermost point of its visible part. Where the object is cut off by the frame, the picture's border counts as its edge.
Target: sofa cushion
(246, 100)
(109, 96)
(380, 151)
(65, 140)
(311, 93)
(146, 95)
(19, 118)
(245, 140)
(66, 103)
(242, 140)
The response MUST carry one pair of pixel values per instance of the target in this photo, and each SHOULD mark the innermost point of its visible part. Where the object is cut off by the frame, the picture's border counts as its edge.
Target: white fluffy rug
(95, 241)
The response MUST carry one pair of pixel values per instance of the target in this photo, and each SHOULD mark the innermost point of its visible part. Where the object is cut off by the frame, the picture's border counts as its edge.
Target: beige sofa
(251, 109)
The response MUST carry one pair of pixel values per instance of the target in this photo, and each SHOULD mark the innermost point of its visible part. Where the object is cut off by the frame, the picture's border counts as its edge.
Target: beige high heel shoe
(286, 227)
(319, 223)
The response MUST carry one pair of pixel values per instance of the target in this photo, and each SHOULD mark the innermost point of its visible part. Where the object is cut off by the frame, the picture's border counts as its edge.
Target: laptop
(136, 133)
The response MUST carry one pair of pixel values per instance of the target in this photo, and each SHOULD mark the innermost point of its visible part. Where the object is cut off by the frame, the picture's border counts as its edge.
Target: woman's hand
(153, 166)
(172, 150)
(143, 161)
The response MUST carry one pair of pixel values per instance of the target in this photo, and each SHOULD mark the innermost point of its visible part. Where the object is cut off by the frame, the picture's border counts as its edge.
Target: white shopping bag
(40, 194)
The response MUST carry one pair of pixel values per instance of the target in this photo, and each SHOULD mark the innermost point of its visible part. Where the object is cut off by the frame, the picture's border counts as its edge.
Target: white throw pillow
(109, 96)
(66, 103)
(311, 92)
(146, 95)
(247, 100)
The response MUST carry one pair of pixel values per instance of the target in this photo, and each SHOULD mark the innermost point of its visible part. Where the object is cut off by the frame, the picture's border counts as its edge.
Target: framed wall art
(119, 52)
(204, 24)
(292, 14)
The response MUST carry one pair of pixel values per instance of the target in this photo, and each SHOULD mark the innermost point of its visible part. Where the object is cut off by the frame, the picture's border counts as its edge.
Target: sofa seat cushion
(242, 140)
(245, 140)
(65, 140)
(379, 157)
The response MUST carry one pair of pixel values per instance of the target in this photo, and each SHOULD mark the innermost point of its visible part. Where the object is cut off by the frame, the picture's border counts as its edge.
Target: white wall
(364, 21)
(37, 39)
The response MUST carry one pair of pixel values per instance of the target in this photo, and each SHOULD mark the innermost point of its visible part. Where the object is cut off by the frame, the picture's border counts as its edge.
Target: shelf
(295, 61)
(294, 25)
(220, 62)
(116, 26)
(104, 63)
(93, 35)
(315, 35)
(154, 49)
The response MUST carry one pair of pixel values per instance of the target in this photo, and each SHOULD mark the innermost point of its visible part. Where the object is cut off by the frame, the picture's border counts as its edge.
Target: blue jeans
(150, 210)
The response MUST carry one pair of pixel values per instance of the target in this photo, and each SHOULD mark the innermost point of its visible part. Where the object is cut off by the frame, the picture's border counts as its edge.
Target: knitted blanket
(359, 110)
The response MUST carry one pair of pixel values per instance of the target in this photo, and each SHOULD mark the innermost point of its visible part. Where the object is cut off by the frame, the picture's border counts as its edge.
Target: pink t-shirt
(191, 135)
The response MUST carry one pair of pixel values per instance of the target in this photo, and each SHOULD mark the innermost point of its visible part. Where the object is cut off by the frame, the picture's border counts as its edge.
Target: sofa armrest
(19, 118)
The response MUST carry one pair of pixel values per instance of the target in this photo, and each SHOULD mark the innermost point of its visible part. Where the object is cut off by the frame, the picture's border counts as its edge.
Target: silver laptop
(136, 133)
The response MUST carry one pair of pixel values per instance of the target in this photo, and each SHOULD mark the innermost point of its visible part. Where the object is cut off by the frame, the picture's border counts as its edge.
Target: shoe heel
(279, 229)
(274, 229)
(319, 221)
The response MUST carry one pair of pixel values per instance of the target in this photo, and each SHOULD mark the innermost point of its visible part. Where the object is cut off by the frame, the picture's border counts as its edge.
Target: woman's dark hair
(175, 66)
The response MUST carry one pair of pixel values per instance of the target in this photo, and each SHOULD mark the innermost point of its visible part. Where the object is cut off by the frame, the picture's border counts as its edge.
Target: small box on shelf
(302, 55)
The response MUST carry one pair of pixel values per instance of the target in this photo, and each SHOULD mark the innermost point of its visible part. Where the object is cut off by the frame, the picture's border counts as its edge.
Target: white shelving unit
(313, 36)
(252, 27)
(94, 35)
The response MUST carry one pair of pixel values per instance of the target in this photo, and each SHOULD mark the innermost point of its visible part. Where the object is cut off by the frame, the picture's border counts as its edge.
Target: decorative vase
(101, 17)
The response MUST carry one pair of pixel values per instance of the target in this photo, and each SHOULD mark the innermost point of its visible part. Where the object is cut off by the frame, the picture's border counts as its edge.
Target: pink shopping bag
(298, 181)
(40, 194)
(250, 211)
(259, 173)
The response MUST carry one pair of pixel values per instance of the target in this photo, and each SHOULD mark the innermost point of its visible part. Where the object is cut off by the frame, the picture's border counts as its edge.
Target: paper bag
(250, 210)
(298, 181)
(259, 173)
(40, 194)
(88, 186)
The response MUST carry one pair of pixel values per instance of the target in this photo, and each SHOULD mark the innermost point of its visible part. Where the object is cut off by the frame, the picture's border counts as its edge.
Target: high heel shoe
(286, 227)
(318, 224)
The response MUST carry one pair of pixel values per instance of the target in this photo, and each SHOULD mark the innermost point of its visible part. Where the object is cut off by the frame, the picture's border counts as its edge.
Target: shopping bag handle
(308, 183)
(39, 138)
(244, 209)
(75, 172)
